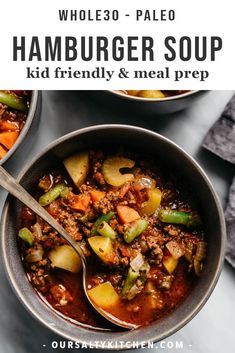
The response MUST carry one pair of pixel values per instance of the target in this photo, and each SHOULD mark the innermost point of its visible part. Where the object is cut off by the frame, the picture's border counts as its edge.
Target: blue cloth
(220, 140)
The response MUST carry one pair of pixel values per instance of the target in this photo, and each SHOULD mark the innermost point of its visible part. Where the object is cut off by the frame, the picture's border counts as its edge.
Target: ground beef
(154, 280)
(2, 109)
(172, 230)
(46, 182)
(153, 238)
(98, 176)
(61, 295)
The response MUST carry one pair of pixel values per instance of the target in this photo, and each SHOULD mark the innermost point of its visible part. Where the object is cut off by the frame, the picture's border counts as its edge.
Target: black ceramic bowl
(33, 114)
(156, 106)
(150, 143)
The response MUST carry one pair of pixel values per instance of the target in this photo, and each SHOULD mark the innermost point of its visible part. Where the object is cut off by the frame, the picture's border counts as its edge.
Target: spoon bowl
(15, 189)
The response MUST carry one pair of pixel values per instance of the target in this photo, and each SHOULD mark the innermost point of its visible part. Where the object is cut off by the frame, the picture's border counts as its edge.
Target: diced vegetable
(133, 92)
(201, 251)
(37, 229)
(104, 295)
(144, 182)
(35, 255)
(111, 170)
(53, 194)
(106, 230)
(189, 251)
(65, 257)
(7, 125)
(151, 94)
(12, 101)
(97, 195)
(101, 219)
(135, 229)
(144, 270)
(26, 236)
(3, 152)
(80, 202)
(134, 282)
(127, 214)
(129, 283)
(137, 262)
(189, 219)
(170, 264)
(197, 267)
(153, 296)
(133, 292)
(102, 246)
(8, 138)
(199, 257)
(175, 249)
(77, 166)
(154, 201)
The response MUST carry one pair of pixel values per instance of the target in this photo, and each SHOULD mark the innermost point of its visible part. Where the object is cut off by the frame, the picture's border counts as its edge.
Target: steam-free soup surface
(137, 224)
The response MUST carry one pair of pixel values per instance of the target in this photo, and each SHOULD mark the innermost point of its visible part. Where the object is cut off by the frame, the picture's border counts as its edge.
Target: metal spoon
(15, 189)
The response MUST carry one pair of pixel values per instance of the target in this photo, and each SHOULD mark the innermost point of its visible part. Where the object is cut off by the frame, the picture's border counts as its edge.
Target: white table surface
(213, 329)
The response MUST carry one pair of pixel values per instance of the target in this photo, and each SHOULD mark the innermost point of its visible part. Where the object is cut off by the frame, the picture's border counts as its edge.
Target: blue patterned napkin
(220, 140)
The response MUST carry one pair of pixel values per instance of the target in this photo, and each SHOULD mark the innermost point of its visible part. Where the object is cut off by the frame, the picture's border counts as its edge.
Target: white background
(202, 18)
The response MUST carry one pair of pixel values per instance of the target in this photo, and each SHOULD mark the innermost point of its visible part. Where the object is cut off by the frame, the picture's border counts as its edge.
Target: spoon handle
(15, 189)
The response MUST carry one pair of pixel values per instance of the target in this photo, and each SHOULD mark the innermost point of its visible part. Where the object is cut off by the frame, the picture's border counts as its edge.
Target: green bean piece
(64, 191)
(53, 194)
(104, 218)
(130, 281)
(135, 281)
(189, 219)
(135, 229)
(106, 230)
(26, 236)
(12, 101)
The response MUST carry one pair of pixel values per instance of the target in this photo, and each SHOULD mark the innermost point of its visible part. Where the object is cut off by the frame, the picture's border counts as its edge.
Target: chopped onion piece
(38, 230)
(201, 251)
(189, 251)
(34, 255)
(175, 249)
(197, 267)
(143, 182)
(137, 262)
(199, 257)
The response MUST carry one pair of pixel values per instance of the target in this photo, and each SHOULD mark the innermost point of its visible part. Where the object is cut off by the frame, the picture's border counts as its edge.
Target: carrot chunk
(7, 139)
(97, 195)
(80, 202)
(3, 152)
(127, 214)
(6, 125)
